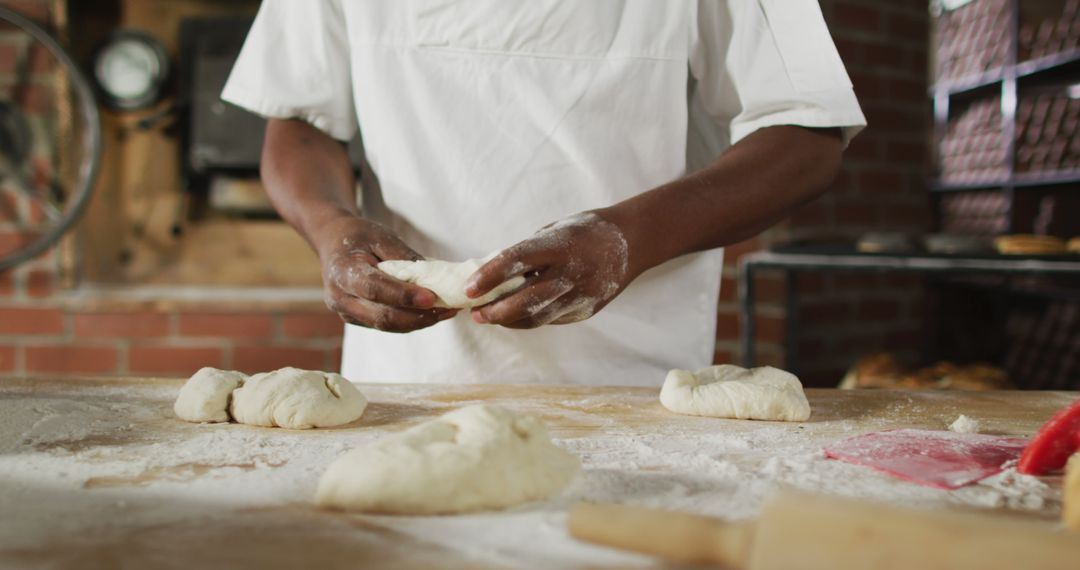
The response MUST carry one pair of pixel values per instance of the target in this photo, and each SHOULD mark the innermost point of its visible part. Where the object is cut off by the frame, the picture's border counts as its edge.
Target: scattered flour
(107, 461)
(964, 424)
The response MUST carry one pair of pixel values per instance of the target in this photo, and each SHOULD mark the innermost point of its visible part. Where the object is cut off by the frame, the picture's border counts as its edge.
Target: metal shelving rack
(1006, 81)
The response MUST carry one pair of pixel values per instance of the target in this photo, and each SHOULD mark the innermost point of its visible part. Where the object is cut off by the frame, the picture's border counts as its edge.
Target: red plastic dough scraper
(940, 459)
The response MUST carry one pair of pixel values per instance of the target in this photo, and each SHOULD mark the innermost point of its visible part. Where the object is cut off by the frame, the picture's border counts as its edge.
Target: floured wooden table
(100, 474)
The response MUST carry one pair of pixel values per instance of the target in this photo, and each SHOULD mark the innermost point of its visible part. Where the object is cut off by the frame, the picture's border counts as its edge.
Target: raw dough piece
(205, 396)
(964, 424)
(289, 398)
(475, 458)
(297, 399)
(728, 391)
(447, 280)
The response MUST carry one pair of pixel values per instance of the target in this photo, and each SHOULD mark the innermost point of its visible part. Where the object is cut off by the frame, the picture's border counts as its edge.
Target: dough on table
(205, 396)
(729, 391)
(474, 458)
(289, 398)
(447, 280)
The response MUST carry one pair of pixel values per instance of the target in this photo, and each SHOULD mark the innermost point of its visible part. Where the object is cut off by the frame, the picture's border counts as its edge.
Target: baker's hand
(573, 268)
(361, 294)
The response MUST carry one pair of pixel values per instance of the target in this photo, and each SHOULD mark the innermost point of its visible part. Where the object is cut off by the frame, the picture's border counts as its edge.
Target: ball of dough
(205, 396)
(297, 399)
(728, 391)
(447, 280)
(471, 459)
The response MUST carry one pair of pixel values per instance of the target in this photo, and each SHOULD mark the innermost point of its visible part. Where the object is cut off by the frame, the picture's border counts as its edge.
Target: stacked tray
(974, 147)
(1048, 27)
(1047, 134)
(969, 39)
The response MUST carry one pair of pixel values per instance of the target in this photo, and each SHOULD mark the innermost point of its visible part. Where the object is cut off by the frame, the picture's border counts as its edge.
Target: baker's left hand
(573, 268)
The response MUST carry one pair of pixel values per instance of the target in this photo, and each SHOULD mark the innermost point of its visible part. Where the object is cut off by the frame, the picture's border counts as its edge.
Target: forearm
(308, 177)
(755, 184)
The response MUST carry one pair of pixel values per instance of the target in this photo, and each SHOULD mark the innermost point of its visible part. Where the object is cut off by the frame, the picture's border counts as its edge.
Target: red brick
(11, 241)
(810, 348)
(252, 359)
(323, 325)
(856, 281)
(8, 57)
(72, 359)
(856, 17)
(736, 250)
(727, 326)
(723, 356)
(37, 10)
(878, 310)
(7, 358)
(769, 329)
(228, 325)
(904, 26)
(907, 90)
(122, 325)
(809, 283)
(813, 214)
(7, 283)
(881, 182)
(39, 283)
(176, 360)
(333, 360)
(883, 55)
(855, 214)
(905, 340)
(906, 152)
(31, 320)
(824, 312)
(769, 289)
(35, 98)
(729, 288)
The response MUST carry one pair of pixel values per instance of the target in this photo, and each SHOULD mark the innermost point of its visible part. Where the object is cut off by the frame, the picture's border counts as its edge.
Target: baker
(607, 150)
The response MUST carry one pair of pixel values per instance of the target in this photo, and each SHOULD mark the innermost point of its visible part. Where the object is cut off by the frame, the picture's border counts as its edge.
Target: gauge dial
(130, 70)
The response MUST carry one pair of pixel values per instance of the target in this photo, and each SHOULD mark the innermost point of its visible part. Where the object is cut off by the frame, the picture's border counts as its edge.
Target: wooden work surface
(100, 474)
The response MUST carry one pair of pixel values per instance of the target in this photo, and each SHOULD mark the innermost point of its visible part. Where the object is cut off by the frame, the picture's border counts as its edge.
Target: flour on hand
(447, 280)
(289, 398)
(475, 458)
(728, 391)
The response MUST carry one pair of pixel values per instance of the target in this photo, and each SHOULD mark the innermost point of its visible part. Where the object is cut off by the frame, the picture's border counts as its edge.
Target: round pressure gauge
(130, 70)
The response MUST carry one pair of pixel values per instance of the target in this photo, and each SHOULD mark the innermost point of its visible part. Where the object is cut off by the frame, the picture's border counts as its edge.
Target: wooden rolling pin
(797, 531)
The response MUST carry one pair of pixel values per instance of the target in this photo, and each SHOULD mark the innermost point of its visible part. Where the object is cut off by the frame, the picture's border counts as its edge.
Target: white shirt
(484, 120)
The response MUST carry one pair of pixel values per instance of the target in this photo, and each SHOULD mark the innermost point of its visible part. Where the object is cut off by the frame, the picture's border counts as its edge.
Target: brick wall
(43, 338)
(44, 333)
(881, 187)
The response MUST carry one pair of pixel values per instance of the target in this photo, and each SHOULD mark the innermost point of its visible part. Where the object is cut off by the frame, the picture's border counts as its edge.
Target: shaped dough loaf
(447, 280)
(297, 399)
(205, 396)
(288, 398)
(728, 391)
(475, 458)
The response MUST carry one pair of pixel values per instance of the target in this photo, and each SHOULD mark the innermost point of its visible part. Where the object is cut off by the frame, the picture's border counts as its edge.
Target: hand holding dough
(728, 391)
(447, 280)
(289, 398)
(474, 458)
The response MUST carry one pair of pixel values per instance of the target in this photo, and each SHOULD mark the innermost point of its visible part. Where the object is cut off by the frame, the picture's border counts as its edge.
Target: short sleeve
(762, 63)
(295, 64)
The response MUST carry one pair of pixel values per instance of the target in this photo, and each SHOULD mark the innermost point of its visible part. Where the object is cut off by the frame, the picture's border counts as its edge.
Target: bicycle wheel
(55, 207)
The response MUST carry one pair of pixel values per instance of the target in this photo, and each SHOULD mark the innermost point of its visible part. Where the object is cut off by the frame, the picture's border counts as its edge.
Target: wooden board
(279, 528)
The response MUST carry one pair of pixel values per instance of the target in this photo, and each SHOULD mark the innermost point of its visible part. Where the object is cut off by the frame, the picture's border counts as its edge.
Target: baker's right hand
(349, 250)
